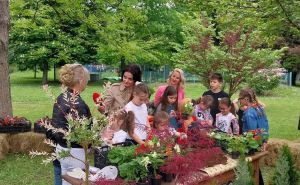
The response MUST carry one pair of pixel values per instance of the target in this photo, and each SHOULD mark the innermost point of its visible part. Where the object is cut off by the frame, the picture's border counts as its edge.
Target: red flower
(141, 149)
(96, 96)
(194, 118)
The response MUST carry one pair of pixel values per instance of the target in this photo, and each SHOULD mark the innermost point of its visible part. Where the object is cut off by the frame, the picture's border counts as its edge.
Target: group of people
(127, 105)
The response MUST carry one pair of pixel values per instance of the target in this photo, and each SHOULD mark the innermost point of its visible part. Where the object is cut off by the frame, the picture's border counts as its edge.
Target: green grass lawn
(283, 109)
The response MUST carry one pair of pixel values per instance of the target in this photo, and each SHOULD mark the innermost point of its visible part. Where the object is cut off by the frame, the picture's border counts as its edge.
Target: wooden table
(219, 174)
(222, 174)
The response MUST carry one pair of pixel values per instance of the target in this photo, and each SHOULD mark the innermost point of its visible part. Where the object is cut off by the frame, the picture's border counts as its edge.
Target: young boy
(216, 82)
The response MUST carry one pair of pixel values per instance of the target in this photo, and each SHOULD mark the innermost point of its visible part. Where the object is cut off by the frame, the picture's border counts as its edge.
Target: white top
(140, 118)
(119, 136)
(223, 123)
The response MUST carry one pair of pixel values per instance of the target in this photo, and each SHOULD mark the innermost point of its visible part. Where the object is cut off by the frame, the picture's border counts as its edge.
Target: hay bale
(4, 145)
(274, 146)
(28, 141)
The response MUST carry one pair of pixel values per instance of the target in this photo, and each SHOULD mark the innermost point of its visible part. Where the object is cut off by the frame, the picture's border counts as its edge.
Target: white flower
(145, 161)
(177, 148)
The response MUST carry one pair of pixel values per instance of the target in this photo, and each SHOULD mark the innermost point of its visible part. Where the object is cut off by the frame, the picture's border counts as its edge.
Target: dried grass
(26, 142)
(4, 145)
(274, 146)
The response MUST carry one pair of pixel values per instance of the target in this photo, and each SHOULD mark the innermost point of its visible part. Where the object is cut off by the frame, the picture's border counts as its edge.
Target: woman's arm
(137, 139)
(159, 94)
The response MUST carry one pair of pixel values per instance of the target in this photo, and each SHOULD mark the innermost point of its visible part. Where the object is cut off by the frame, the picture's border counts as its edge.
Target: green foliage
(120, 155)
(285, 171)
(243, 173)
(237, 144)
(293, 174)
(133, 170)
(261, 83)
(238, 57)
(281, 176)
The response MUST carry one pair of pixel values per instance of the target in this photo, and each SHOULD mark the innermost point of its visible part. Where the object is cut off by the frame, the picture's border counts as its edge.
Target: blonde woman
(75, 77)
(177, 80)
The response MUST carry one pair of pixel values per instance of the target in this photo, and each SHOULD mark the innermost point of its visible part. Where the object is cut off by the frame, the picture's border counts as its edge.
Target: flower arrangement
(10, 124)
(198, 151)
(187, 106)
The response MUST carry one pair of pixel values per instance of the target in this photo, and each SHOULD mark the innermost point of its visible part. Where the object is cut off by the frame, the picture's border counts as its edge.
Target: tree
(5, 97)
(45, 33)
(239, 56)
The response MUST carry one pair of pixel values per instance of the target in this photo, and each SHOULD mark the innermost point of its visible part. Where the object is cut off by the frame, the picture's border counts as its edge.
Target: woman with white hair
(75, 78)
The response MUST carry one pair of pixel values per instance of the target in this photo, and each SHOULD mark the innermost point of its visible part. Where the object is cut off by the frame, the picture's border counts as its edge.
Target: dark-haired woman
(120, 94)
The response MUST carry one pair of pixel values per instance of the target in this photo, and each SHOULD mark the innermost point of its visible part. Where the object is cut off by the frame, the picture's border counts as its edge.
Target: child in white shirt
(226, 120)
(138, 106)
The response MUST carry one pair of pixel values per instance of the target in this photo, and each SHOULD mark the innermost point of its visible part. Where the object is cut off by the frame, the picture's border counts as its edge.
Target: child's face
(203, 106)
(172, 99)
(243, 101)
(215, 85)
(140, 98)
(163, 125)
(224, 109)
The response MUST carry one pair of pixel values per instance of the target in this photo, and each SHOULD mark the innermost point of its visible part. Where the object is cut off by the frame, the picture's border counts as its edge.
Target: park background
(252, 43)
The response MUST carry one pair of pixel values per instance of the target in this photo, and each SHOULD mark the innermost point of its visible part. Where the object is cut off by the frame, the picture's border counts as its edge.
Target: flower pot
(155, 180)
(167, 177)
(252, 151)
(142, 182)
(235, 155)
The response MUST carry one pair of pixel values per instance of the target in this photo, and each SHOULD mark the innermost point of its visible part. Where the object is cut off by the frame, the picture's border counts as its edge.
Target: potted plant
(252, 144)
(222, 139)
(15, 124)
(39, 124)
(236, 147)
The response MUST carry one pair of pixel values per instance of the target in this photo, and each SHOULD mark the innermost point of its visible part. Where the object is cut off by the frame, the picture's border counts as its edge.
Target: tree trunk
(294, 79)
(5, 96)
(35, 68)
(45, 73)
(122, 65)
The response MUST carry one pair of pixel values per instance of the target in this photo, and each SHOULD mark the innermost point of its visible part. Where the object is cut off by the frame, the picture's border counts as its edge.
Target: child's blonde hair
(160, 117)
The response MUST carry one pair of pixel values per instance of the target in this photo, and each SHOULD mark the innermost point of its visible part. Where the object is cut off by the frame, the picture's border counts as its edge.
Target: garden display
(15, 124)
(168, 156)
(38, 125)
(246, 144)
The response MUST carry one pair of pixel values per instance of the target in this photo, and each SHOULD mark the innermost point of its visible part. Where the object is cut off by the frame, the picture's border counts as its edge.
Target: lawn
(283, 107)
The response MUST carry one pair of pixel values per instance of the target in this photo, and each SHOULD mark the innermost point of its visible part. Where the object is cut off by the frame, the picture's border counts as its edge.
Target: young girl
(121, 125)
(202, 111)
(226, 120)
(169, 104)
(254, 116)
(161, 123)
(138, 106)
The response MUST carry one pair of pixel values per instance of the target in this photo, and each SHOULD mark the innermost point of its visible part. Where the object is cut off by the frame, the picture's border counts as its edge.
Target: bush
(243, 173)
(262, 83)
(285, 171)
